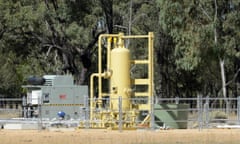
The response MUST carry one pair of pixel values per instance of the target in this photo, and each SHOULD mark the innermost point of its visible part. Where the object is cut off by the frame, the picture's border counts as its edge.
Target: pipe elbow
(107, 74)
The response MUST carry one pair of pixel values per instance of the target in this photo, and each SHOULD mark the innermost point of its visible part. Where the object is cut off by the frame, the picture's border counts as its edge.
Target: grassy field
(213, 136)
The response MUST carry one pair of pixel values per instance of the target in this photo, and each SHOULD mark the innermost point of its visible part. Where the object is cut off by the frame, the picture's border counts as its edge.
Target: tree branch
(205, 12)
(234, 78)
(49, 49)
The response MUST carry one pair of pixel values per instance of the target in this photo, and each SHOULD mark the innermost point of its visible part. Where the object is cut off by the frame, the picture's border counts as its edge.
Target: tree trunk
(223, 79)
(224, 86)
(221, 60)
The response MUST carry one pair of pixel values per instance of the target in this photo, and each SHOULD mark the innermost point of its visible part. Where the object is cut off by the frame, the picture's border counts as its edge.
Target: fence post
(24, 104)
(152, 122)
(199, 108)
(176, 100)
(238, 109)
(86, 111)
(39, 113)
(227, 108)
(120, 113)
(206, 111)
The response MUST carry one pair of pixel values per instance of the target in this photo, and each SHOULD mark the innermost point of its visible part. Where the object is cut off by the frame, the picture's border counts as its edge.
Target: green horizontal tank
(171, 115)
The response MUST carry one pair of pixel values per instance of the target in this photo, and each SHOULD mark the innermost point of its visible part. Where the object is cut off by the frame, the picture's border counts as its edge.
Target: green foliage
(77, 34)
(42, 37)
(193, 27)
(9, 79)
(218, 116)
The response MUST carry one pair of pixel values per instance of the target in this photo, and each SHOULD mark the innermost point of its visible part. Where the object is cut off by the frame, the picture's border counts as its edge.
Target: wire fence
(10, 108)
(206, 112)
(188, 113)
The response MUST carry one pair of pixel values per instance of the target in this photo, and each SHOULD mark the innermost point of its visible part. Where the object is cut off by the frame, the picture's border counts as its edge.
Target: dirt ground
(90, 136)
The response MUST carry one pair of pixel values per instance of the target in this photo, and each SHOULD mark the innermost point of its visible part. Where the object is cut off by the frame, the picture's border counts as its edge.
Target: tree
(38, 38)
(193, 27)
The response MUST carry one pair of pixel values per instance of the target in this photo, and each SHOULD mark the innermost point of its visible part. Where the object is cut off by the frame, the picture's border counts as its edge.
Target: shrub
(218, 116)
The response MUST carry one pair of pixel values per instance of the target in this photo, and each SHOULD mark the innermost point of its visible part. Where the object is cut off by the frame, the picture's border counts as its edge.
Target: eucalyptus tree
(16, 46)
(44, 37)
(204, 34)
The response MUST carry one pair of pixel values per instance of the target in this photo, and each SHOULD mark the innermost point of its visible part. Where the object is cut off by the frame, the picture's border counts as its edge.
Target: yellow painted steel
(70, 105)
(120, 79)
(117, 72)
(100, 74)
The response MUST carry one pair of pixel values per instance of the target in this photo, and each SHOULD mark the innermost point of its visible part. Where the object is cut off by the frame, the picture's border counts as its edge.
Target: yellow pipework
(109, 41)
(149, 61)
(92, 94)
(105, 74)
(100, 62)
(120, 40)
(100, 74)
(115, 42)
(151, 66)
(115, 71)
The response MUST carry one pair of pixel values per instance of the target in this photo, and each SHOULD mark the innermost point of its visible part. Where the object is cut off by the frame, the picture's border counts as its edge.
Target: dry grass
(219, 136)
(10, 114)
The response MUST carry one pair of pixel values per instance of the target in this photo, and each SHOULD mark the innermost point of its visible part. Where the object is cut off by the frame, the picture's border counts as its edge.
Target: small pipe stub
(107, 74)
(120, 40)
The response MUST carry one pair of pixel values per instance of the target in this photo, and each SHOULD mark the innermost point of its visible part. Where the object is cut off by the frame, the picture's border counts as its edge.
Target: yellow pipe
(92, 94)
(152, 50)
(114, 42)
(150, 66)
(99, 74)
(151, 37)
(135, 36)
(99, 66)
(108, 52)
(146, 119)
(120, 40)
(100, 61)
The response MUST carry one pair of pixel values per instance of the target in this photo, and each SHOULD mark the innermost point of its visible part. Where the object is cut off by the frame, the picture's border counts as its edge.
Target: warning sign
(62, 96)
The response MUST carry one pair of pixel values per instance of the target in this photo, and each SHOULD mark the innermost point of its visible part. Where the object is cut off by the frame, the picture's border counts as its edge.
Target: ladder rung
(141, 94)
(144, 107)
(141, 81)
(140, 62)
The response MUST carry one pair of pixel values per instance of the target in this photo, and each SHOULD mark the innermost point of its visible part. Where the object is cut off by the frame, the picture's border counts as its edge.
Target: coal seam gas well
(121, 104)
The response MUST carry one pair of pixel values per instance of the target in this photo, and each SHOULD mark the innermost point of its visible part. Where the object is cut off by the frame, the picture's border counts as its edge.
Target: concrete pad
(60, 129)
(228, 126)
(12, 126)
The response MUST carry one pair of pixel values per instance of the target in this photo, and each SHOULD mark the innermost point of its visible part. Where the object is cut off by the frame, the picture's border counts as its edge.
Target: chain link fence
(206, 112)
(190, 113)
(10, 108)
